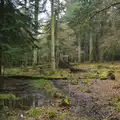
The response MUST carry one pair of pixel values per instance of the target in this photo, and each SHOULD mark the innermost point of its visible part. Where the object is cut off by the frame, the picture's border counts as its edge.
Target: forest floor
(87, 93)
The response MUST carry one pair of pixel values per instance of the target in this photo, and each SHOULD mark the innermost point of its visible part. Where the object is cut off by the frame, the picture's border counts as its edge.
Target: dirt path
(93, 99)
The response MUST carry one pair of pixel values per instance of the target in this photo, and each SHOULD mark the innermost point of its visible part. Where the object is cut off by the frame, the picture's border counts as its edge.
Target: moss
(12, 118)
(52, 113)
(10, 113)
(40, 83)
(103, 75)
(117, 107)
(64, 115)
(99, 66)
(74, 82)
(46, 85)
(93, 75)
(115, 99)
(34, 112)
(8, 96)
(116, 103)
(105, 119)
(65, 102)
(85, 81)
(103, 66)
(12, 71)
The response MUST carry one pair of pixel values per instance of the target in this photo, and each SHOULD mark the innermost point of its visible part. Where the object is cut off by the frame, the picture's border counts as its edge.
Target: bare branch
(106, 8)
(99, 11)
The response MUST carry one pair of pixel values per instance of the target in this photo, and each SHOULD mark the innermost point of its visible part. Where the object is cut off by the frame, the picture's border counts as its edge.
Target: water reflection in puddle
(27, 96)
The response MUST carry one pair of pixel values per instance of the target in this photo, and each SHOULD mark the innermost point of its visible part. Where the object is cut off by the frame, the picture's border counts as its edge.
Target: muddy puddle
(26, 96)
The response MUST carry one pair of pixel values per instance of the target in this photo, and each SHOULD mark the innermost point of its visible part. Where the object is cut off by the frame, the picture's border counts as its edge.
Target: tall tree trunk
(34, 56)
(97, 55)
(25, 6)
(35, 50)
(1, 24)
(101, 54)
(56, 34)
(26, 57)
(52, 37)
(36, 13)
(0, 60)
(79, 48)
(91, 51)
(113, 54)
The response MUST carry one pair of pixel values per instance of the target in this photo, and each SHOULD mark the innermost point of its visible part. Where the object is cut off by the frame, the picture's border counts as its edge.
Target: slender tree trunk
(56, 34)
(36, 13)
(35, 50)
(25, 6)
(26, 57)
(79, 48)
(56, 40)
(91, 51)
(26, 63)
(34, 56)
(113, 55)
(97, 48)
(52, 37)
(1, 24)
(0, 60)
(101, 54)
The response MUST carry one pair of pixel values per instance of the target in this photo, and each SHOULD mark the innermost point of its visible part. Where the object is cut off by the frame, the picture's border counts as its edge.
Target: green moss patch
(117, 107)
(46, 85)
(8, 96)
(34, 112)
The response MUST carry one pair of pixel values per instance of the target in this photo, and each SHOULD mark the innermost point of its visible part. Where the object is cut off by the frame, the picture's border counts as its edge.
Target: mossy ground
(81, 82)
(46, 85)
(7, 96)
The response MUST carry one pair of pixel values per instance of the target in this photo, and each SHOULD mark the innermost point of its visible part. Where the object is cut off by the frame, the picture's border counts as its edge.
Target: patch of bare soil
(98, 103)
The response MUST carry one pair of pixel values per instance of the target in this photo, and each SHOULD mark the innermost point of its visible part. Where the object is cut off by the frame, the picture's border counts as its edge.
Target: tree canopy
(84, 30)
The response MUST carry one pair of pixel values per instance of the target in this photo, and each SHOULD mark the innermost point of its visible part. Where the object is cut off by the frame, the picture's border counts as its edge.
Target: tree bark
(1, 24)
(101, 56)
(35, 50)
(0, 61)
(79, 48)
(56, 34)
(52, 37)
(91, 51)
(36, 13)
(97, 48)
(34, 56)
